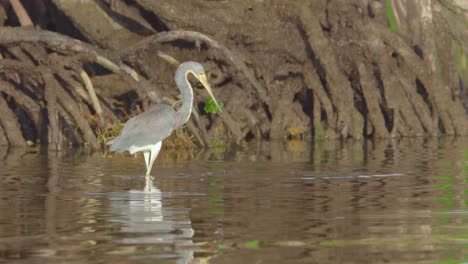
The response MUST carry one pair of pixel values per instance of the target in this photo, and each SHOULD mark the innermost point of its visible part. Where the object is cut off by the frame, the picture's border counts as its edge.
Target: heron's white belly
(134, 149)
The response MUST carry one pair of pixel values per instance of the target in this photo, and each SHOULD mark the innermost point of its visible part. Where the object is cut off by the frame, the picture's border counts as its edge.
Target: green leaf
(328, 243)
(391, 15)
(221, 246)
(210, 106)
(252, 244)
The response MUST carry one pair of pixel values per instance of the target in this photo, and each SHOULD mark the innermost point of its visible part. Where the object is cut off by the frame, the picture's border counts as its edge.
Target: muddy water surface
(393, 202)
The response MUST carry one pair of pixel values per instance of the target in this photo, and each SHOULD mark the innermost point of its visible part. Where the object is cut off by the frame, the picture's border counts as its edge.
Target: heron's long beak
(208, 89)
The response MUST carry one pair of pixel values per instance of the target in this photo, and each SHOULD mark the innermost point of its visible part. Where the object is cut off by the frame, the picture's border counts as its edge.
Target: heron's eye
(201, 74)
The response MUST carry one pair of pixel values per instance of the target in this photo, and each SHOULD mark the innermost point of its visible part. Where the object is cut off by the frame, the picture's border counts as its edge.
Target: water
(394, 201)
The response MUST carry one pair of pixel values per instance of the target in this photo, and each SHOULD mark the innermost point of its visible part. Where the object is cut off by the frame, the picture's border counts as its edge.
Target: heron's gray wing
(146, 128)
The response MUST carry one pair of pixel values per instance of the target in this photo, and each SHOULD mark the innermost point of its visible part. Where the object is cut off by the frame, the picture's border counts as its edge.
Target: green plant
(211, 107)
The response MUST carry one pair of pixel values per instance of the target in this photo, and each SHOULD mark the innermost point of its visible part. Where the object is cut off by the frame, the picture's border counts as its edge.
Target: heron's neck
(186, 91)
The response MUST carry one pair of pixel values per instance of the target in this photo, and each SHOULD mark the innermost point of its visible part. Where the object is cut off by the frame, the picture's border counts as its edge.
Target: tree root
(452, 115)
(21, 13)
(86, 52)
(234, 58)
(348, 122)
(314, 67)
(22, 99)
(73, 110)
(10, 125)
(92, 95)
(373, 102)
(53, 93)
(66, 44)
(50, 96)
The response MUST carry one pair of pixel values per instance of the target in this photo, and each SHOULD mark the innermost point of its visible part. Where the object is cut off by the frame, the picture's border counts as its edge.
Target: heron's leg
(146, 154)
(154, 153)
(148, 184)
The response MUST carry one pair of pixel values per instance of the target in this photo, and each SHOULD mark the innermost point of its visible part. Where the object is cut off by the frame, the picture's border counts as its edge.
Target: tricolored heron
(146, 131)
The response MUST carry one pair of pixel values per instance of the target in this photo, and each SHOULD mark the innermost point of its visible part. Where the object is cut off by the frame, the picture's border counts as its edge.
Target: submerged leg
(154, 153)
(149, 185)
(146, 154)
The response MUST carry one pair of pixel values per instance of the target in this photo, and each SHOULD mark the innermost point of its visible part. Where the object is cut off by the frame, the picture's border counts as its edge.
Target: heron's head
(199, 72)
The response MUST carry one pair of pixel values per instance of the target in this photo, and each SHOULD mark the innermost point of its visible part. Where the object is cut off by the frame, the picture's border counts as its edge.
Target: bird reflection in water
(144, 221)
